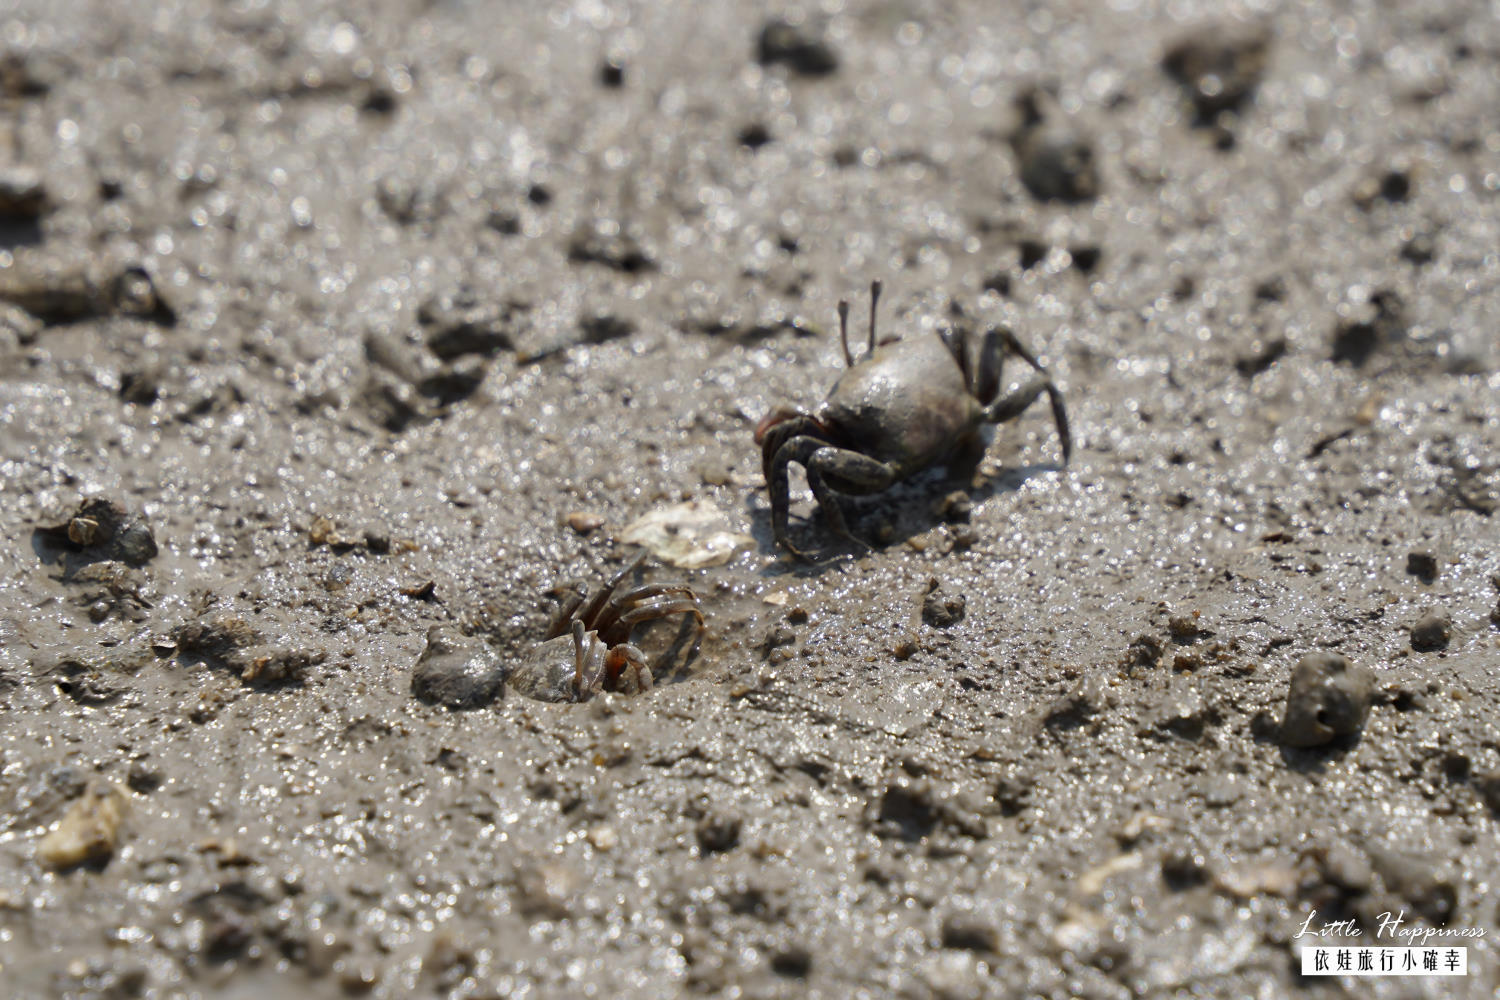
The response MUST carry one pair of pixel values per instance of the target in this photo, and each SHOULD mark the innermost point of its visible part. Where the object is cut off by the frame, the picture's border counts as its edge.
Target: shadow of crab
(894, 517)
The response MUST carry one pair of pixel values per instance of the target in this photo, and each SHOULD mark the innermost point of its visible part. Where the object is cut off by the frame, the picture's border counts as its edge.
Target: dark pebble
(1431, 632)
(1422, 565)
(797, 47)
(970, 932)
(754, 135)
(1057, 164)
(1183, 869)
(942, 610)
(23, 194)
(718, 832)
(955, 508)
(457, 671)
(1329, 698)
(1219, 68)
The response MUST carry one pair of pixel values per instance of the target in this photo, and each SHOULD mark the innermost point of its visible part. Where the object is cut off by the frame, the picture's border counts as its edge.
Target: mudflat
(338, 341)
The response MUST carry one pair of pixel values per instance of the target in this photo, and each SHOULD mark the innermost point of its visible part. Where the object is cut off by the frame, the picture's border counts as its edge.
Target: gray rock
(23, 193)
(457, 671)
(1431, 632)
(941, 610)
(1329, 698)
(1422, 565)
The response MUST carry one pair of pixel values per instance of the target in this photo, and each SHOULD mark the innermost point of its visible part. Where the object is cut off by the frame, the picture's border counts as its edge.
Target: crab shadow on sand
(910, 507)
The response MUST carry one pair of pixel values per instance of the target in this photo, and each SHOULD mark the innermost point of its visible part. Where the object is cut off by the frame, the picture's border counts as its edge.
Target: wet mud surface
(324, 326)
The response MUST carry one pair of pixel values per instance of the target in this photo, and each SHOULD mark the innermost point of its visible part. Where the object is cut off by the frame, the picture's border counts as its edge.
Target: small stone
(798, 47)
(718, 832)
(1488, 787)
(1057, 161)
(144, 778)
(88, 832)
(1329, 698)
(323, 531)
(602, 327)
(584, 522)
(955, 508)
(942, 610)
(457, 670)
(1183, 869)
(23, 194)
(793, 961)
(1431, 632)
(1184, 628)
(970, 932)
(1145, 651)
(612, 73)
(1422, 565)
(102, 530)
(1219, 67)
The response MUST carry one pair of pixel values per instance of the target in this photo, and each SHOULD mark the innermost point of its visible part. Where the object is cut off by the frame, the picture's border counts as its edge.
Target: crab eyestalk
(843, 339)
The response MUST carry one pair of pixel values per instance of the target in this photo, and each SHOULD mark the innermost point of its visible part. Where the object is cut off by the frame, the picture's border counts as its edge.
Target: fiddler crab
(588, 648)
(902, 406)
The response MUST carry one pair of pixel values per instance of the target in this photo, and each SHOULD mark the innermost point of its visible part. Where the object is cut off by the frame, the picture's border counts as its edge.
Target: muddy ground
(378, 317)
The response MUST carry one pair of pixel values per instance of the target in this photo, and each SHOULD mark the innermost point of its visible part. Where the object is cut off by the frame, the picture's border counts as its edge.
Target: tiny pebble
(585, 522)
(1431, 632)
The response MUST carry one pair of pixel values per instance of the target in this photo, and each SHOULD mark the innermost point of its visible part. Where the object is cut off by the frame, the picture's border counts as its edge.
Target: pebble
(966, 931)
(456, 670)
(1219, 67)
(584, 522)
(1431, 632)
(797, 47)
(955, 508)
(1057, 161)
(1422, 565)
(942, 610)
(718, 832)
(103, 530)
(23, 194)
(1329, 698)
(89, 831)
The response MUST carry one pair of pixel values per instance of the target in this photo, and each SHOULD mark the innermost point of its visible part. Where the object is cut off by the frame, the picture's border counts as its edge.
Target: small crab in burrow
(903, 406)
(588, 648)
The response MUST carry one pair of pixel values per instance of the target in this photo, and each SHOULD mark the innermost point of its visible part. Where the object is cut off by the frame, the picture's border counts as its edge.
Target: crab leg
(774, 437)
(590, 612)
(611, 614)
(1011, 405)
(663, 608)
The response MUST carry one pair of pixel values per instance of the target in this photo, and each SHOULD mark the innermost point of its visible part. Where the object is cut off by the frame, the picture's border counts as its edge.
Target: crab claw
(770, 420)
